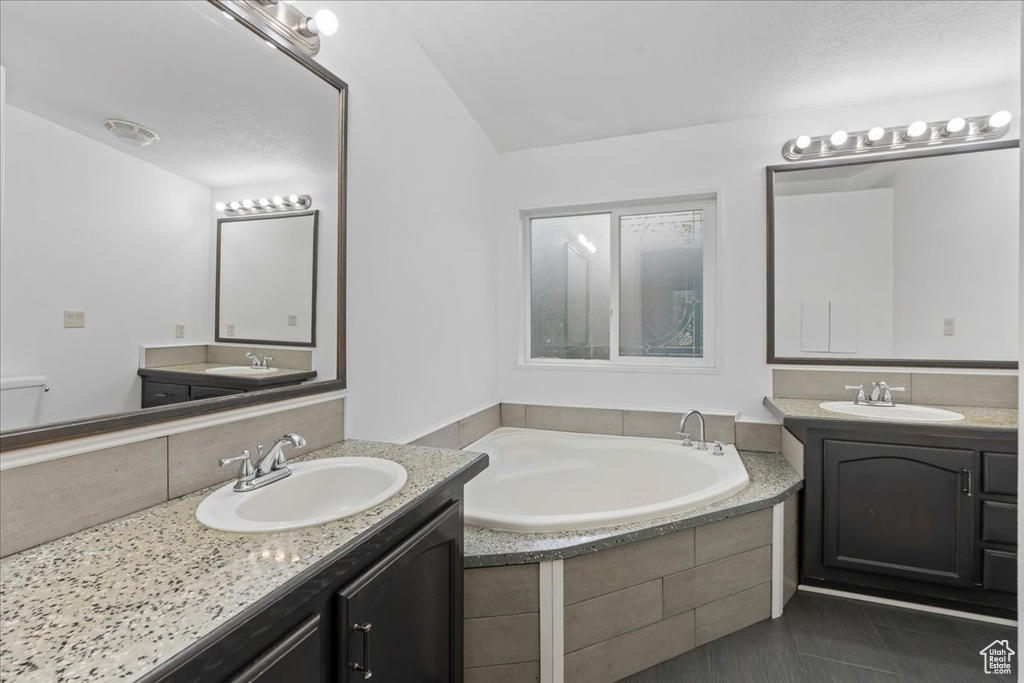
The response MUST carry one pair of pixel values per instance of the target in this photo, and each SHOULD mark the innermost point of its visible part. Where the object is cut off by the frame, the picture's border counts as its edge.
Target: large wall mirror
(897, 261)
(130, 131)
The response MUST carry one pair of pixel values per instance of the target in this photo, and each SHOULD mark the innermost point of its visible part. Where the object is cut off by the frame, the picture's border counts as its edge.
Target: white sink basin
(901, 413)
(315, 493)
(241, 371)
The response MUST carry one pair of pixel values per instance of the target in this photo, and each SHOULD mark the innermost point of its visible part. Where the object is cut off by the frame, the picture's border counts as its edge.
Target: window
(623, 285)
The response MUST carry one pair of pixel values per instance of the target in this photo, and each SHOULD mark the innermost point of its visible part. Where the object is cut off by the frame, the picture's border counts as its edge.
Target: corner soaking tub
(556, 481)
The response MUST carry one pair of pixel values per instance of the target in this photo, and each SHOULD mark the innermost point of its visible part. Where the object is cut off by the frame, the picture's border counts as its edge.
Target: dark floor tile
(837, 629)
(935, 658)
(822, 670)
(692, 666)
(913, 620)
(984, 633)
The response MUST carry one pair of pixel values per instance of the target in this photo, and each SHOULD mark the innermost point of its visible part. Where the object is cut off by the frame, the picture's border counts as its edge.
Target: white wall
(422, 188)
(324, 191)
(730, 156)
(155, 275)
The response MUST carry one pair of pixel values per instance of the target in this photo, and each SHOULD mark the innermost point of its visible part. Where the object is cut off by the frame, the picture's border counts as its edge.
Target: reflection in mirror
(899, 259)
(266, 279)
(109, 232)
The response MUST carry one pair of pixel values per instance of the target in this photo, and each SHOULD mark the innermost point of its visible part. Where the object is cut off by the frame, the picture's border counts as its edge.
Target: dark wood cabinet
(912, 516)
(166, 393)
(295, 658)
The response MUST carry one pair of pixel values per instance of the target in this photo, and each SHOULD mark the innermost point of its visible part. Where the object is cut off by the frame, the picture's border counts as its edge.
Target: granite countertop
(772, 480)
(112, 602)
(988, 419)
(200, 370)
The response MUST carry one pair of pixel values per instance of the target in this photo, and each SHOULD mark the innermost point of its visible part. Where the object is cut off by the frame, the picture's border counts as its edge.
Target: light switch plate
(293, 320)
(179, 331)
(230, 330)
(74, 319)
(949, 326)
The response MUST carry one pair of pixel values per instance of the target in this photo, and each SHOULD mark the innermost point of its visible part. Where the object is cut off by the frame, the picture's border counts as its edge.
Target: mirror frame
(216, 311)
(770, 173)
(102, 424)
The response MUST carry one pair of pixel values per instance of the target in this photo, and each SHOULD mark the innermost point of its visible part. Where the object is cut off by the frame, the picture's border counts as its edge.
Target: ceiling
(229, 110)
(538, 73)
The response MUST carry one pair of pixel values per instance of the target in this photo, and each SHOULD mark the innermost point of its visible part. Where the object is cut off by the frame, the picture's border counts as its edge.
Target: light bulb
(293, 199)
(876, 134)
(278, 200)
(220, 206)
(264, 202)
(248, 203)
(803, 142)
(916, 129)
(955, 125)
(999, 119)
(235, 206)
(326, 22)
(838, 138)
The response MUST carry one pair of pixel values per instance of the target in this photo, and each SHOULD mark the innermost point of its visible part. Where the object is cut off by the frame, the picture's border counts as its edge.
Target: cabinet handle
(159, 395)
(969, 479)
(365, 666)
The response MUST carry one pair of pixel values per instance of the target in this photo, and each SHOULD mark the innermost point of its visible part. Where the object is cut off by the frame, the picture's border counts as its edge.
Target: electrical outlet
(179, 331)
(74, 319)
(949, 326)
(231, 330)
(293, 320)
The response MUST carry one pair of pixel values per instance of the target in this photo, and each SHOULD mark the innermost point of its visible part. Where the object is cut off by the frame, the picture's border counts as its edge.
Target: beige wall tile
(192, 456)
(665, 425)
(478, 425)
(983, 391)
(716, 580)
(175, 355)
(502, 640)
(793, 451)
(725, 616)
(45, 501)
(497, 591)
(791, 511)
(607, 616)
(828, 384)
(513, 415)
(445, 437)
(790, 579)
(790, 546)
(588, 576)
(732, 536)
(587, 420)
(524, 672)
(296, 359)
(614, 659)
(756, 436)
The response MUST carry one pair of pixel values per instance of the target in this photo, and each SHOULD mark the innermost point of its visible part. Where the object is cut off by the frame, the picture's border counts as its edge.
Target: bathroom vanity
(925, 512)
(181, 383)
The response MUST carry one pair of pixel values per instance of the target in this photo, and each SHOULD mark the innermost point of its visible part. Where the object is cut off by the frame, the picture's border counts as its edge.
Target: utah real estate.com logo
(997, 657)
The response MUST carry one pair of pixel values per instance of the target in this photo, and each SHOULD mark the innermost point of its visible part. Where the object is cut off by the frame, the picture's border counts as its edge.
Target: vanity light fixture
(879, 140)
(277, 204)
(291, 24)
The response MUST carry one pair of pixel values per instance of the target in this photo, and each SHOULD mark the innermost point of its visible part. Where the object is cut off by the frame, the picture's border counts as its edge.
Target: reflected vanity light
(276, 204)
(879, 140)
(586, 244)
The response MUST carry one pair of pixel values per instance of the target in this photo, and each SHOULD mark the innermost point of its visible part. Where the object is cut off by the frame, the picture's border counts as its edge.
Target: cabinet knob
(365, 666)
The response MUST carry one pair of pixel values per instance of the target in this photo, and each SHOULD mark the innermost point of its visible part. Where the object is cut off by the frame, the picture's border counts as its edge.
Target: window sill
(605, 366)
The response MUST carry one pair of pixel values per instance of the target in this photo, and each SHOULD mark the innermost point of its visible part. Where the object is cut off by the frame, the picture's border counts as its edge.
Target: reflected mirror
(130, 130)
(896, 261)
(266, 279)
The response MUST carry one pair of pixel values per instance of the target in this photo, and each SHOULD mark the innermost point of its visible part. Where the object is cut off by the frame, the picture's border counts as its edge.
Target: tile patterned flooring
(822, 639)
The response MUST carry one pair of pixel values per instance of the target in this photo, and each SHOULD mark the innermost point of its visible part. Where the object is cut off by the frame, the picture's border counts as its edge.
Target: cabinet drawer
(212, 392)
(161, 394)
(999, 473)
(999, 522)
(1000, 571)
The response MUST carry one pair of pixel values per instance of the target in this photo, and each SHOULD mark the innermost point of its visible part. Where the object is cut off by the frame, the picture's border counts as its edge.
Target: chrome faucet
(702, 445)
(268, 468)
(881, 394)
(257, 362)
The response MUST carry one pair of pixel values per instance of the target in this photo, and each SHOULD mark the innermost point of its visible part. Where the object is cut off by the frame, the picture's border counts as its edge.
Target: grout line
(856, 666)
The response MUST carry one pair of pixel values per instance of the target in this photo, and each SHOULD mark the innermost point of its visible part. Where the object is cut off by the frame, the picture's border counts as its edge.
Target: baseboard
(908, 605)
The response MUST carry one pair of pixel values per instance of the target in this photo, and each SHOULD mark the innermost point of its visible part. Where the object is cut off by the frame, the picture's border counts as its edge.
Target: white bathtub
(556, 481)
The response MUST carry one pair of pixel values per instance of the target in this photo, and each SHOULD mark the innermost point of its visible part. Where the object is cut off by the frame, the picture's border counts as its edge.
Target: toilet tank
(21, 401)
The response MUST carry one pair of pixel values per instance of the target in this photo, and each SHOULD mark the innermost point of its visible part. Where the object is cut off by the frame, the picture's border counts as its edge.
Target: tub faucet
(702, 445)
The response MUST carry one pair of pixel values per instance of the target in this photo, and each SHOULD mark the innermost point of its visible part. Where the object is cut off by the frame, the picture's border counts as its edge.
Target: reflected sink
(241, 371)
(315, 493)
(903, 413)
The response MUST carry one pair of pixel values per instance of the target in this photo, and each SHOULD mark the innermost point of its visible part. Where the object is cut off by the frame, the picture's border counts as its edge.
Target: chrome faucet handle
(719, 448)
(686, 439)
(859, 388)
(245, 470)
(888, 396)
(266, 361)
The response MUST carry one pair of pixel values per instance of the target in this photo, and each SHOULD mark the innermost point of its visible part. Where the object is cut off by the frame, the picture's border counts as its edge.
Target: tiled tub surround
(626, 608)
(112, 602)
(47, 500)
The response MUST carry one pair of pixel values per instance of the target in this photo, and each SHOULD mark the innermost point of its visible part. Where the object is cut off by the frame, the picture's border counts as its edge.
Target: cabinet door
(296, 657)
(162, 393)
(901, 511)
(402, 619)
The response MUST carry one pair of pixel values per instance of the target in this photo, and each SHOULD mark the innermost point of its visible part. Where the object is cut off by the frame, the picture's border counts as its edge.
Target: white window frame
(711, 362)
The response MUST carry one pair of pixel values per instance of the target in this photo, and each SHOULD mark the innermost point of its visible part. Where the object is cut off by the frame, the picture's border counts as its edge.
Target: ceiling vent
(131, 133)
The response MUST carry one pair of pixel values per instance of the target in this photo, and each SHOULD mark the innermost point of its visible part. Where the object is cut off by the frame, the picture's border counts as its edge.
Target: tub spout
(702, 443)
